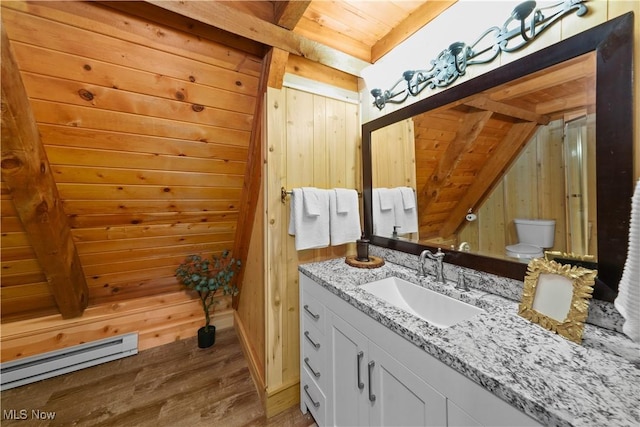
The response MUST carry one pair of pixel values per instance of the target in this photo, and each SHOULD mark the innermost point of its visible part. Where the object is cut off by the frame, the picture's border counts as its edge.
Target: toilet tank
(539, 232)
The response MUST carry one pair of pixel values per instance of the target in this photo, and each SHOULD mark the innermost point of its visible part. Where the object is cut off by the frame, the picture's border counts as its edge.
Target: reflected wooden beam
(466, 136)
(483, 102)
(508, 149)
(26, 171)
(580, 101)
(219, 15)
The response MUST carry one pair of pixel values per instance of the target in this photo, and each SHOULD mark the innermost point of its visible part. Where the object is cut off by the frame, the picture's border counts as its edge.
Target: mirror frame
(613, 43)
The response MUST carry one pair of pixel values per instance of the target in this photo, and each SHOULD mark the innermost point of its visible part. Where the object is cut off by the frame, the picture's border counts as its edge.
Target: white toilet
(534, 235)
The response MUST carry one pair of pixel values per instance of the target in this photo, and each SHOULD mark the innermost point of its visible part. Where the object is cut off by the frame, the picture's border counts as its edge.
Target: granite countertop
(552, 379)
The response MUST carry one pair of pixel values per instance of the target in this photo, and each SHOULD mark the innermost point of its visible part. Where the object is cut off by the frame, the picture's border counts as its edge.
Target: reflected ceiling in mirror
(503, 153)
(612, 44)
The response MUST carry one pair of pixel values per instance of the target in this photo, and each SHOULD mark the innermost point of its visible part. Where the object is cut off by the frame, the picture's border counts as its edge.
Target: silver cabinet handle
(306, 390)
(315, 374)
(372, 397)
(359, 358)
(315, 344)
(311, 313)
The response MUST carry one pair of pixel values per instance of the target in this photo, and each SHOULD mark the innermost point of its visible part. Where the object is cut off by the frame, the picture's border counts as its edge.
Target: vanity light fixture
(452, 62)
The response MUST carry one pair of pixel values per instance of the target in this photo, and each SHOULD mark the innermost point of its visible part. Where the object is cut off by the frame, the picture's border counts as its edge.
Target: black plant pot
(206, 339)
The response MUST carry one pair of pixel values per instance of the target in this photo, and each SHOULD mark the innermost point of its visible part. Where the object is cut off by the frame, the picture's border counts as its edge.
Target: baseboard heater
(42, 366)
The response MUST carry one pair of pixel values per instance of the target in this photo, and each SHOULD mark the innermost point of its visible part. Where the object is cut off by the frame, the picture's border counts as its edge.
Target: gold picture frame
(556, 296)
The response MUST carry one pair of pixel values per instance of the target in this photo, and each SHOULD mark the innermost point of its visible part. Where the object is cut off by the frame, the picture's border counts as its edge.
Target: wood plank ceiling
(147, 116)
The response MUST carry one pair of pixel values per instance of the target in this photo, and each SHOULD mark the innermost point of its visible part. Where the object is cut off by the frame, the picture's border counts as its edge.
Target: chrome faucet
(438, 257)
(423, 256)
(462, 280)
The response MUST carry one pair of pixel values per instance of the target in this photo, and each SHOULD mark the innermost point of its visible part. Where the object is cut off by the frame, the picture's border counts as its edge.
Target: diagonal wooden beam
(465, 137)
(252, 179)
(26, 171)
(219, 15)
(288, 13)
(508, 149)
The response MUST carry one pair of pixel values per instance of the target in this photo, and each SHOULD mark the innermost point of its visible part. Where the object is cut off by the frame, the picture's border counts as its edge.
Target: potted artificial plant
(209, 278)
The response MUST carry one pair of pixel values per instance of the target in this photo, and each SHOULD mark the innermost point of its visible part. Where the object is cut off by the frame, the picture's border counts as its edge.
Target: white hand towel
(383, 220)
(344, 199)
(311, 201)
(628, 299)
(309, 231)
(345, 227)
(407, 219)
(385, 197)
(295, 206)
(408, 197)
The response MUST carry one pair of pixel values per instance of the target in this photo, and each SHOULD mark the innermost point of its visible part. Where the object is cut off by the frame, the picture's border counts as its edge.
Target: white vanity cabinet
(369, 375)
(370, 387)
(313, 352)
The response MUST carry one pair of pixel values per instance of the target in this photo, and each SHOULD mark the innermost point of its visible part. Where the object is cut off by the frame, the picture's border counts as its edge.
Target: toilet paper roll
(471, 217)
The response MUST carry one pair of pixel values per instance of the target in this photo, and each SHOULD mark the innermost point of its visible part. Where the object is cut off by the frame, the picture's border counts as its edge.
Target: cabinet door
(401, 398)
(348, 360)
(458, 418)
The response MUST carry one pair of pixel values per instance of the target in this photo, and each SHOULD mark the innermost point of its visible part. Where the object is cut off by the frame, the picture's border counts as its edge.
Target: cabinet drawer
(312, 311)
(313, 343)
(313, 362)
(313, 398)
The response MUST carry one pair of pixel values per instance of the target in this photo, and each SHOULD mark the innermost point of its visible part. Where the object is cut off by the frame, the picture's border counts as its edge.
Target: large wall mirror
(548, 137)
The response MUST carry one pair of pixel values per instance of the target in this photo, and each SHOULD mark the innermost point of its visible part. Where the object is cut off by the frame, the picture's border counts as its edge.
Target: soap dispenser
(395, 231)
(362, 248)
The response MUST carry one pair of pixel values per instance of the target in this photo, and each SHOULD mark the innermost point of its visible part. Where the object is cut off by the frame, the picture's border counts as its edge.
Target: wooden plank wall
(312, 141)
(393, 159)
(146, 119)
(158, 320)
(250, 314)
(148, 144)
(393, 156)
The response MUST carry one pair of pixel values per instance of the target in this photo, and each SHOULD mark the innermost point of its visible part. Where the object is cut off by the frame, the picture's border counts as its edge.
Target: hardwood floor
(177, 384)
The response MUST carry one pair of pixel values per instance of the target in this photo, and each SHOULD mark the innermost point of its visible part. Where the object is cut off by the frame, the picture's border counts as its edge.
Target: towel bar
(284, 192)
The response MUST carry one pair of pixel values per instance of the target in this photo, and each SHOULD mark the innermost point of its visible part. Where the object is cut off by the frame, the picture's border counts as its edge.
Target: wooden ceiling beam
(277, 67)
(26, 171)
(515, 140)
(288, 13)
(219, 15)
(416, 20)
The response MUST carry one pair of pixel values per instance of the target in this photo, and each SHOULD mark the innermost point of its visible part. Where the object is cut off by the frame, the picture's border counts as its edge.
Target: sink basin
(437, 309)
